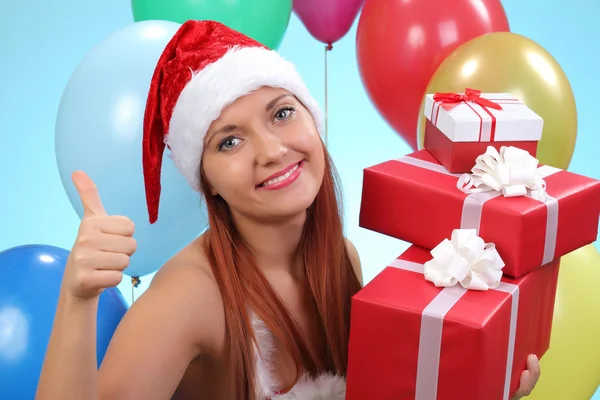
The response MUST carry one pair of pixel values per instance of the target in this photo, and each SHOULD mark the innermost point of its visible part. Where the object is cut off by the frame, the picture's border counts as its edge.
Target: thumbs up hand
(103, 246)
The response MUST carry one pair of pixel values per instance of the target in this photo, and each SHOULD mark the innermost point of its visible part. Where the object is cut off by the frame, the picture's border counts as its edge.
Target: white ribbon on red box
(432, 322)
(473, 203)
(512, 171)
(465, 259)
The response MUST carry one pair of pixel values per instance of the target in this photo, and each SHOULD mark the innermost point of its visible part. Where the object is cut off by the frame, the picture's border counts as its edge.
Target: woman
(258, 306)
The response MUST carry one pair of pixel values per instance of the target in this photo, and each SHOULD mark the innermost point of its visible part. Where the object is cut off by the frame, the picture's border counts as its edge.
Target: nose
(269, 148)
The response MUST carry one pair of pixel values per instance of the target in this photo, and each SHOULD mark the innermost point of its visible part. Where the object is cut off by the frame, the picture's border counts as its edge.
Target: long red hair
(329, 283)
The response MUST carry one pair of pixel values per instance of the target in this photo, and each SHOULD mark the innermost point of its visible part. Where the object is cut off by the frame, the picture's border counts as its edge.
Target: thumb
(88, 193)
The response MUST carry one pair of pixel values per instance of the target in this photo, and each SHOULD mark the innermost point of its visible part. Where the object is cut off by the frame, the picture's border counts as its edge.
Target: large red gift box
(415, 199)
(412, 340)
(459, 127)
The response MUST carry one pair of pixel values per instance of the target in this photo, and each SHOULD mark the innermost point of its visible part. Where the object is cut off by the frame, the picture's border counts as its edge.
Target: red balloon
(401, 43)
(327, 21)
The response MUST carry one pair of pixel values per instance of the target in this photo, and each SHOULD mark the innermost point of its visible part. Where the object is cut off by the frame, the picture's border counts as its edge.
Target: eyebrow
(224, 129)
(272, 103)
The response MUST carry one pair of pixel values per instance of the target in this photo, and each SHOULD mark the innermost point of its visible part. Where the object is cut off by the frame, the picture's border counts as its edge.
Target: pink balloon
(327, 20)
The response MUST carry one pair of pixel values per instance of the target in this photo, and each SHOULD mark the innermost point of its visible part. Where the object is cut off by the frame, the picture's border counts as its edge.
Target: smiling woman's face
(264, 156)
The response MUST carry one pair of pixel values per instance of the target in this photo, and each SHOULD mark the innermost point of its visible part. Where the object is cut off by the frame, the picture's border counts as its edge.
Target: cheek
(307, 138)
(311, 146)
(228, 176)
(314, 149)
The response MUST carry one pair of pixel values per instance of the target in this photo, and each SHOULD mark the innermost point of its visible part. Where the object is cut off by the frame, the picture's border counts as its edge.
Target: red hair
(329, 283)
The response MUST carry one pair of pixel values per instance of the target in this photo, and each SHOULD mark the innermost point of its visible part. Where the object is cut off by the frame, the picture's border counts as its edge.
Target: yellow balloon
(504, 62)
(571, 367)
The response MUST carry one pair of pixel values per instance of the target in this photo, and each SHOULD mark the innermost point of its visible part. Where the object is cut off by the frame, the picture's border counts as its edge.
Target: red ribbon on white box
(473, 203)
(473, 100)
(430, 337)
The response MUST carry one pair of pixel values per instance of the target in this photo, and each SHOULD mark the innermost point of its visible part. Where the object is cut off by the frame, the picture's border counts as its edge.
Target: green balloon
(263, 20)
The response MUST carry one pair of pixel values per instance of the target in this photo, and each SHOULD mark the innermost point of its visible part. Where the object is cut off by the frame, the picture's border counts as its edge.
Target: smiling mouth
(286, 175)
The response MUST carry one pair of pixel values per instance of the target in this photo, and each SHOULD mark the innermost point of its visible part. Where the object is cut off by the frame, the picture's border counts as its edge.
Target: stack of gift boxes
(457, 314)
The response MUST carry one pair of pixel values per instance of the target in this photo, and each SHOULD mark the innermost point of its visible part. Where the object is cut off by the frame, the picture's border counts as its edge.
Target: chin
(286, 207)
(288, 211)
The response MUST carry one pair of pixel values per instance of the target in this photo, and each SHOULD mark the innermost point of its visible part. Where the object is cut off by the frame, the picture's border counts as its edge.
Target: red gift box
(459, 127)
(415, 199)
(412, 340)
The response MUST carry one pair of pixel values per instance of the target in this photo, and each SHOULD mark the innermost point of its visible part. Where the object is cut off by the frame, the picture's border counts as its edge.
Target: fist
(102, 248)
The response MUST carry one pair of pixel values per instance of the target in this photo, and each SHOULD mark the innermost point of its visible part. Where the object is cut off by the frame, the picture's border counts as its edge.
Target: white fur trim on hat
(239, 72)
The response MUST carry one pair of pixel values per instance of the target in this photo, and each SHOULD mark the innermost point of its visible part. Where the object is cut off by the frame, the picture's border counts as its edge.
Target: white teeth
(280, 178)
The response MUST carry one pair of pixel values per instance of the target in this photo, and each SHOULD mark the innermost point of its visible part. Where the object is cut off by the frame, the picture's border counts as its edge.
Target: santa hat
(203, 69)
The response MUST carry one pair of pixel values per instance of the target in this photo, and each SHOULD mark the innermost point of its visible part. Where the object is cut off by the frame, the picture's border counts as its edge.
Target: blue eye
(228, 143)
(284, 113)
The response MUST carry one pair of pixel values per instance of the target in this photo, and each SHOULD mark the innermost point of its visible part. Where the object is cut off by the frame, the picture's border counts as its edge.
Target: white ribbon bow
(465, 259)
(513, 171)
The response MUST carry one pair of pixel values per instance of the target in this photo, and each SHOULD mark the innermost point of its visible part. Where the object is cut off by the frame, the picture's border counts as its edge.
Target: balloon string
(135, 281)
(327, 49)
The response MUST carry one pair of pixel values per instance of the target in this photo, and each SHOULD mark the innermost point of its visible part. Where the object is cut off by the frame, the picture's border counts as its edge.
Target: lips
(280, 176)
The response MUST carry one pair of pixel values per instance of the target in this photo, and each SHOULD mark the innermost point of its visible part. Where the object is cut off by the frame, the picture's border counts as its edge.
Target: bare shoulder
(355, 258)
(188, 279)
(172, 323)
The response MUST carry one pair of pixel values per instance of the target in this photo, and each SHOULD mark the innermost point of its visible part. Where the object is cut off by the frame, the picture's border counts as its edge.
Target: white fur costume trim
(239, 72)
(264, 354)
(323, 387)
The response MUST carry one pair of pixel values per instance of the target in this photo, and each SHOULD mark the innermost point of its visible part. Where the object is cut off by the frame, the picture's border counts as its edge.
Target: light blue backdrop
(41, 43)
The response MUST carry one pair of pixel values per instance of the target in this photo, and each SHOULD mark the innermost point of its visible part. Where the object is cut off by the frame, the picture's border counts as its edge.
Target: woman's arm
(163, 331)
(69, 370)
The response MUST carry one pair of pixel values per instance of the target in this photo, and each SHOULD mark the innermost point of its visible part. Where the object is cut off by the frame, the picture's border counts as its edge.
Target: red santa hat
(204, 68)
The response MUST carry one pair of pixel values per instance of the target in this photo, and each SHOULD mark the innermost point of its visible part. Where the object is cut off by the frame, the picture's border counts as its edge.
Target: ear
(213, 191)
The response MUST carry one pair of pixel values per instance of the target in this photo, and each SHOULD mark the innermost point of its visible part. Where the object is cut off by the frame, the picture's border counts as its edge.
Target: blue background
(41, 43)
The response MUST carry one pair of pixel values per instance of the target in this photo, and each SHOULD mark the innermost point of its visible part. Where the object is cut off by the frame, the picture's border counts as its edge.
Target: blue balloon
(30, 280)
(99, 130)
